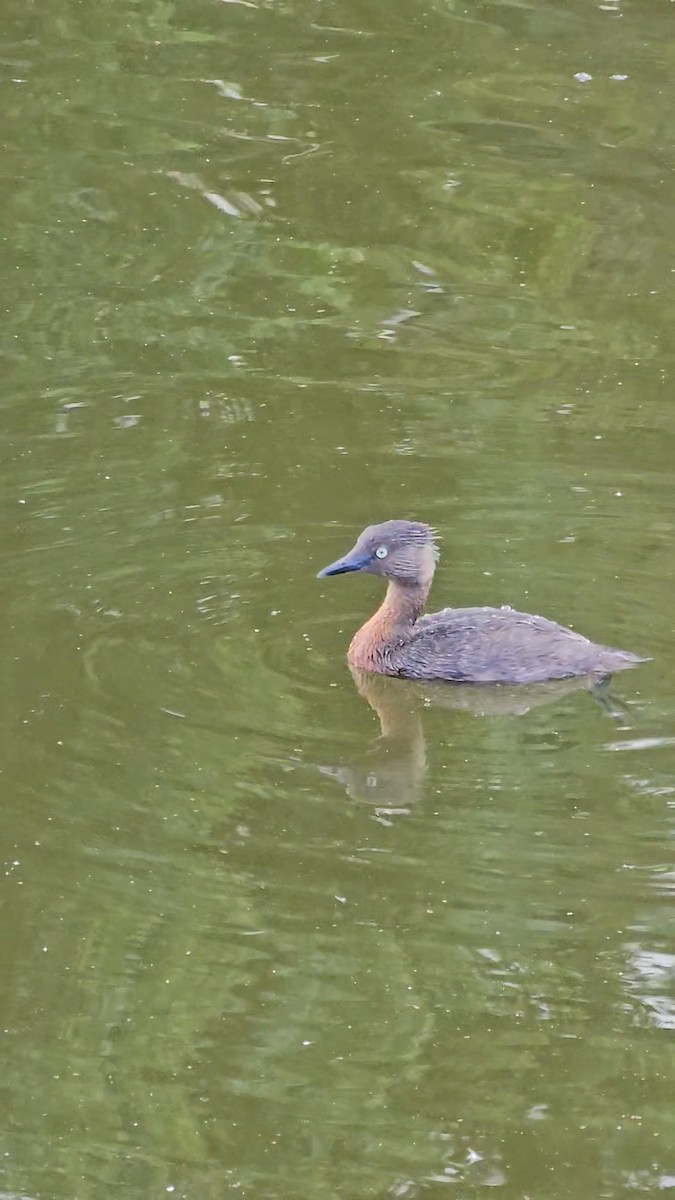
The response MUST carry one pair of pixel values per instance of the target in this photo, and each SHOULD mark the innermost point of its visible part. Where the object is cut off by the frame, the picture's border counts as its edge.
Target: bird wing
(494, 645)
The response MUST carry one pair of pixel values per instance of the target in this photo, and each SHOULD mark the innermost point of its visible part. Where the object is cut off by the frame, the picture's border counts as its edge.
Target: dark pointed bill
(350, 562)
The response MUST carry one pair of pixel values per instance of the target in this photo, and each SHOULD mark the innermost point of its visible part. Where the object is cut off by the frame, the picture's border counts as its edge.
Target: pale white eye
(381, 552)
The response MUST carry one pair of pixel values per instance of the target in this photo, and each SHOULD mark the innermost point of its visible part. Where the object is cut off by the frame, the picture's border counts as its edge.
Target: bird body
(472, 645)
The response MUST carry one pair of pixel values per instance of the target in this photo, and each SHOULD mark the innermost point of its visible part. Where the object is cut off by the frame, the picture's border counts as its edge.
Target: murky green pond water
(272, 271)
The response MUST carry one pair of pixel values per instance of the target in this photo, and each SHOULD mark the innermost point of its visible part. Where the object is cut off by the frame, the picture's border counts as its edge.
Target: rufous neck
(404, 602)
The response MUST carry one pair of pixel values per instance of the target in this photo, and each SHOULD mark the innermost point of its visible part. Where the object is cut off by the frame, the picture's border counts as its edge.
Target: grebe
(471, 645)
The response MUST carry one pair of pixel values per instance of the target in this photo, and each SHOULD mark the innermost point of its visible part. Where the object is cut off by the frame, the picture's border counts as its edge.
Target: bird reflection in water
(390, 775)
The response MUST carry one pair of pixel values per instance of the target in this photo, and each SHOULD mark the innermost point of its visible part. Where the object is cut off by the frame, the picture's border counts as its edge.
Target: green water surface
(271, 271)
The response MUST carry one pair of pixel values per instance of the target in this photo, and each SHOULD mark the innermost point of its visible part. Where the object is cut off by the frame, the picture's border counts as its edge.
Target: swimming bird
(471, 645)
